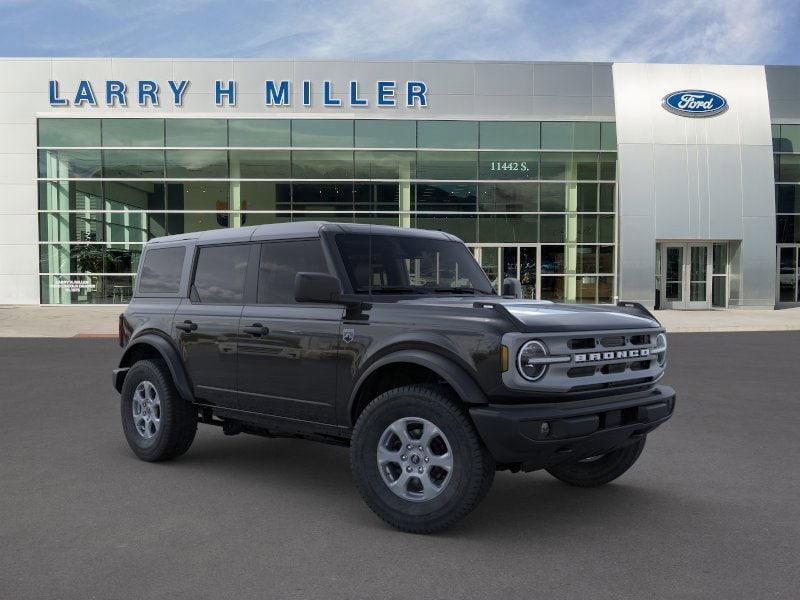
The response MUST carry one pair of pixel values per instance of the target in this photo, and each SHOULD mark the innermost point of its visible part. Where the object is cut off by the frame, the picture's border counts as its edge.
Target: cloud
(712, 31)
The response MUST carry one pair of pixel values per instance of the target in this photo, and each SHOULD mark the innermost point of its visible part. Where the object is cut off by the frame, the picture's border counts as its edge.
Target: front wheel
(599, 470)
(417, 460)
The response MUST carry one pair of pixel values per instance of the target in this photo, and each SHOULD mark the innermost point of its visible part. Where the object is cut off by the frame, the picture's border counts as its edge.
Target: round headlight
(527, 362)
(661, 348)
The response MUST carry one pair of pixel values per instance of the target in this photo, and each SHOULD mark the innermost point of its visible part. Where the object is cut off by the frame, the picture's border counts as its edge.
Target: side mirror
(512, 287)
(317, 287)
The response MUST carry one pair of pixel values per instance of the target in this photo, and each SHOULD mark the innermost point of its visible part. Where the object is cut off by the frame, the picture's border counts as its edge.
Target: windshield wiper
(459, 290)
(391, 289)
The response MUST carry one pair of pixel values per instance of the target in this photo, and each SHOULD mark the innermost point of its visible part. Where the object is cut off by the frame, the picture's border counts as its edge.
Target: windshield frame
(477, 277)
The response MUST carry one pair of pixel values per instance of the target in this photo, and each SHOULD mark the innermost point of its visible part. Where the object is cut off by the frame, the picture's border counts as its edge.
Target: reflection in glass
(64, 164)
(322, 133)
(197, 133)
(508, 228)
(447, 134)
(509, 134)
(385, 164)
(258, 133)
(65, 133)
(508, 197)
(384, 133)
(206, 164)
(132, 164)
(260, 164)
(322, 164)
(447, 165)
(133, 132)
(460, 197)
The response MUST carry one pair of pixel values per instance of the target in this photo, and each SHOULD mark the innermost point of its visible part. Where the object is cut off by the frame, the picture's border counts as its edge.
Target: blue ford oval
(695, 103)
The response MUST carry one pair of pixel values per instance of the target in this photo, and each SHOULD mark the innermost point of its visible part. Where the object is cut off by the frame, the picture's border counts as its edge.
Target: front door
(686, 275)
(288, 352)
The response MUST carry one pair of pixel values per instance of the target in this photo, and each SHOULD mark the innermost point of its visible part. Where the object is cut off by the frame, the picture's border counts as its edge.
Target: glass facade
(786, 148)
(533, 200)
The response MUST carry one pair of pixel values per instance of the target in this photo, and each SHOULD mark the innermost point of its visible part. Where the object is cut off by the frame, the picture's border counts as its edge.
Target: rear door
(207, 323)
(288, 352)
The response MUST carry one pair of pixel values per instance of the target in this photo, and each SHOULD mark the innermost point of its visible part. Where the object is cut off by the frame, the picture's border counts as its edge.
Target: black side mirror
(317, 287)
(512, 287)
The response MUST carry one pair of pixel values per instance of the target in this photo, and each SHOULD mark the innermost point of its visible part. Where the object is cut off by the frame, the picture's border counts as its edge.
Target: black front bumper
(541, 435)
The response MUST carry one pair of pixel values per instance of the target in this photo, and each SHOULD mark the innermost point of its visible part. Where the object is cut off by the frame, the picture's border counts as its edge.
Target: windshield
(395, 264)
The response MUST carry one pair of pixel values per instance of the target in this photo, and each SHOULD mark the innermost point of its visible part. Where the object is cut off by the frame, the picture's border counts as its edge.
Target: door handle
(256, 329)
(187, 326)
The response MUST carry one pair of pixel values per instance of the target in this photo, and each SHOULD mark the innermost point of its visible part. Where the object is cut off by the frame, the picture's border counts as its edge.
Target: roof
(298, 229)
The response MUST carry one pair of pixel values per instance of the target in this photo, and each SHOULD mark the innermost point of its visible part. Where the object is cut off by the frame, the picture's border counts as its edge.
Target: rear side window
(220, 274)
(280, 262)
(161, 270)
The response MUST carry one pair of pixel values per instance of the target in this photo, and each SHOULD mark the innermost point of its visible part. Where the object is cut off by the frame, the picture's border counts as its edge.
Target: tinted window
(133, 132)
(219, 277)
(280, 262)
(69, 132)
(399, 264)
(161, 270)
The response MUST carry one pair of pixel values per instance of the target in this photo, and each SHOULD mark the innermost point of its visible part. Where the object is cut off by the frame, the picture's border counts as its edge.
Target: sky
(680, 31)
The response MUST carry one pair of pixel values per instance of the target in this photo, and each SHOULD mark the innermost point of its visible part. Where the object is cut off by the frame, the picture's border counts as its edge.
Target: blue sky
(710, 31)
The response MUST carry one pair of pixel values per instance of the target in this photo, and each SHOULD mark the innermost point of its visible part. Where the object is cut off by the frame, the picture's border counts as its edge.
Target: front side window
(394, 264)
(161, 270)
(220, 274)
(280, 262)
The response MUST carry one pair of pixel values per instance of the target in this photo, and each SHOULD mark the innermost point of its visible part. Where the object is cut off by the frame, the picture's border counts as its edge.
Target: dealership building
(676, 186)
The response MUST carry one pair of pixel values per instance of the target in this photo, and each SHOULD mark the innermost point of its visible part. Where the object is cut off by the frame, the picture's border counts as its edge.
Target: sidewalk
(101, 321)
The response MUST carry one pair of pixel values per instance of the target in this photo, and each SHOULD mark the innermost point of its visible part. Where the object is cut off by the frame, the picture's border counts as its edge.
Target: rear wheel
(417, 460)
(158, 423)
(599, 470)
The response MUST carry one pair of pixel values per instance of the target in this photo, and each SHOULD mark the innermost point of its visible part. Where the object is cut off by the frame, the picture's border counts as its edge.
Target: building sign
(695, 103)
(150, 93)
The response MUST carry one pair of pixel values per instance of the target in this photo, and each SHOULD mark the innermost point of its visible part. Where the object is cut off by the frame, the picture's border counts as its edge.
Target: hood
(541, 316)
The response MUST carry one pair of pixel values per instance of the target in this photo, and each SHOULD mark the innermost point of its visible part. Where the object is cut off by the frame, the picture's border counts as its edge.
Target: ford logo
(695, 103)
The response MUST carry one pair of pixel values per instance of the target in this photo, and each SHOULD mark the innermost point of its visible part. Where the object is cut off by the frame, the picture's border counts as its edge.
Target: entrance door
(686, 276)
(520, 262)
(788, 274)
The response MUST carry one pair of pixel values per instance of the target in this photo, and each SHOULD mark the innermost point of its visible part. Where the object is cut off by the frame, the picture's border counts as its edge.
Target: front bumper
(542, 435)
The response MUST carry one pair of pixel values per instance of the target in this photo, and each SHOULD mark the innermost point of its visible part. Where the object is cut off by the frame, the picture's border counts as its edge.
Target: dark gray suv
(391, 341)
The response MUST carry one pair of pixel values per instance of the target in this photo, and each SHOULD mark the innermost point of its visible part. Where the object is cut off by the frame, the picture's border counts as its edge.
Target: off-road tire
(178, 417)
(600, 471)
(473, 467)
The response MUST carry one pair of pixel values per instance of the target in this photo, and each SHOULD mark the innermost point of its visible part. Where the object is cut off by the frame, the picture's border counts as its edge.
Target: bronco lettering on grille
(615, 355)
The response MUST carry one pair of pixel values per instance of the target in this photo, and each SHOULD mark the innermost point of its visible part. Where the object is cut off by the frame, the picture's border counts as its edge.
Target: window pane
(385, 165)
(606, 197)
(556, 165)
(787, 198)
(132, 164)
(465, 228)
(271, 133)
(587, 197)
(509, 165)
(88, 258)
(447, 134)
(605, 290)
(70, 195)
(260, 164)
(460, 197)
(552, 228)
(134, 195)
(587, 229)
(220, 272)
(585, 166)
(586, 259)
(720, 263)
(509, 134)
(197, 132)
(553, 259)
(788, 229)
(587, 136)
(211, 197)
(789, 170)
(553, 288)
(62, 164)
(790, 138)
(557, 135)
(129, 227)
(263, 195)
(508, 197)
(322, 196)
(322, 164)
(380, 133)
(382, 197)
(608, 166)
(322, 133)
(508, 228)
(86, 289)
(133, 132)
(606, 259)
(280, 263)
(161, 270)
(447, 165)
(197, 163)
(553, 197)
(585, 289)
(605, 228)
(608, 136)
(69, 132)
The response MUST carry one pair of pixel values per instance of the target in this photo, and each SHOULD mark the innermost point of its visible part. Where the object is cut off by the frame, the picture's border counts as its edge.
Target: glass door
(686, 275)
(520, 262)
(788, 274)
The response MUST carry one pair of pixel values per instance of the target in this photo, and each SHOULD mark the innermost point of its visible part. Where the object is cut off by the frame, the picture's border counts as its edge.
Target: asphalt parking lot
(711, 510)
